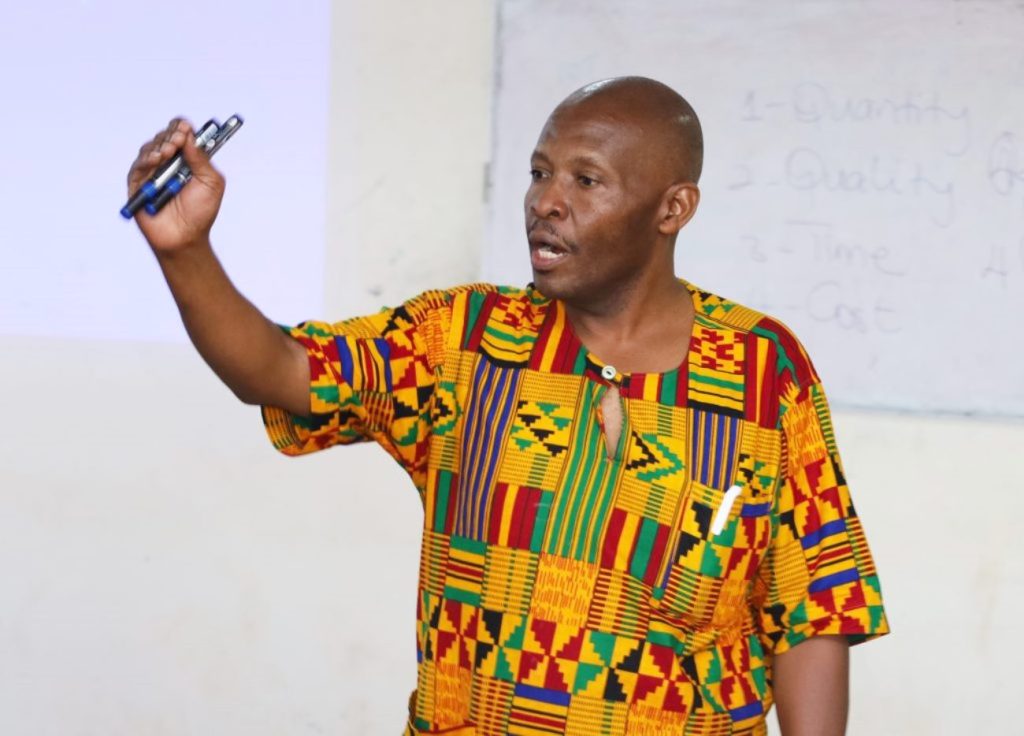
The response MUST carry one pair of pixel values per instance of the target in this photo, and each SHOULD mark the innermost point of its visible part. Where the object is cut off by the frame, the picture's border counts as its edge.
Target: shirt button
(608, 372)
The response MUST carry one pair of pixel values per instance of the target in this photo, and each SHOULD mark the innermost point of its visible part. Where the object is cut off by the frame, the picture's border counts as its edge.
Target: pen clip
(722, 515)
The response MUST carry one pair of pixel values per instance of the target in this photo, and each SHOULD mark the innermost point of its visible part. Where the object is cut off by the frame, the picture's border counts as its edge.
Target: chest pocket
(721, 540)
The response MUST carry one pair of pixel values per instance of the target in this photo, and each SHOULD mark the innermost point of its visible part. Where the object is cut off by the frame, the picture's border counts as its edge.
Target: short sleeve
(818, 576)
(371, 378)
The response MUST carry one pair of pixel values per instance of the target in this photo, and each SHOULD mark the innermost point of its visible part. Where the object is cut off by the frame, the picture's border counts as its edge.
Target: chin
(547, 286)
(555, 288)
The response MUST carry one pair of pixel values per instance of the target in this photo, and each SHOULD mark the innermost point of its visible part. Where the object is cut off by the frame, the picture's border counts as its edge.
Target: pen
(166, 173)
(184, 173)
(230, 127)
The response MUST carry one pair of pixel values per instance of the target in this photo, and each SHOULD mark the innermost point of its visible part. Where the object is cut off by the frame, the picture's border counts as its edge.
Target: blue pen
(184, 173)
(152, 186)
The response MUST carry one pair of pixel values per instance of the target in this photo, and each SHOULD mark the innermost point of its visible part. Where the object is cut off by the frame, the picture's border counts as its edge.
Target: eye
(586, 181)
(536, 174)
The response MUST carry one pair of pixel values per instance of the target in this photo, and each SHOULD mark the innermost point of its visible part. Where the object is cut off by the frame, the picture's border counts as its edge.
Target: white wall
(165, 572)
(941, 499)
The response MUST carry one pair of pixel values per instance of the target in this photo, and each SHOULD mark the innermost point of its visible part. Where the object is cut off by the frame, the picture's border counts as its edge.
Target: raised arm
(256, 360)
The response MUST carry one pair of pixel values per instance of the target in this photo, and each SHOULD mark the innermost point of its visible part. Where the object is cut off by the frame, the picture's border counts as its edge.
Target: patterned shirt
(566, 588)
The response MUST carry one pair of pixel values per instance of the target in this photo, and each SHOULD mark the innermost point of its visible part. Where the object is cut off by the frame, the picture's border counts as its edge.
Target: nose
(545, 200)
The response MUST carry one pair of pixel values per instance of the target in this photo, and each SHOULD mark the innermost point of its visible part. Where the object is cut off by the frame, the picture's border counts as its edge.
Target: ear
(681, 202)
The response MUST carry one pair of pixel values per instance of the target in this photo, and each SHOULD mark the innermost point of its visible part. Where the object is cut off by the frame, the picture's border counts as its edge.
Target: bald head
(669, 123)
(613, 181)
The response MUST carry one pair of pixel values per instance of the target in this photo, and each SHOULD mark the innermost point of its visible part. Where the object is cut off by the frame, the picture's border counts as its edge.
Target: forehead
(592, 131)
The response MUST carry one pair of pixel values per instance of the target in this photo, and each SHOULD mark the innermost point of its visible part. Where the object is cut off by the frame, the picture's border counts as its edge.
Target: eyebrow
(583, 160)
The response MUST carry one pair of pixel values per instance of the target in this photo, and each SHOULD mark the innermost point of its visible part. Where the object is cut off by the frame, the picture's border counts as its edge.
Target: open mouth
(544, 256)
(548, 253)
(546, 250)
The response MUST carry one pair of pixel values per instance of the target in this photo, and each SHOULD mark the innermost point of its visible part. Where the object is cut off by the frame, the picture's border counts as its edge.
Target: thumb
(199, 162)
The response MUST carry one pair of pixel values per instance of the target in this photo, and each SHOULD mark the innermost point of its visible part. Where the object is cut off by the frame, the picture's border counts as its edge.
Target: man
(635, 517)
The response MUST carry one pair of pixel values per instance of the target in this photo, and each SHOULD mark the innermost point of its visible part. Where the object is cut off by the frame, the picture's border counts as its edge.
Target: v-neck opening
(612, 454)
(599, 372)
(624, 379)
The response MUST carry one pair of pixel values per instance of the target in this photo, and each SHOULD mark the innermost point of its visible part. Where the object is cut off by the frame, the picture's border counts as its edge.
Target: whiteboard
(84, 84)
(863, 173)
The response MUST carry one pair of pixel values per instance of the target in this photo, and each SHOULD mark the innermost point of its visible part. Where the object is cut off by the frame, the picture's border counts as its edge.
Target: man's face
(592, 206)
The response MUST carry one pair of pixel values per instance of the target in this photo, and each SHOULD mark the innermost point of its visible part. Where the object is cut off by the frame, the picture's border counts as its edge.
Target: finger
(151, 155)
(148, 156)
(153, 148)
(170, 143)
(161, 147)
(143, 165)
(144, 150)
(164, 133)
(174, 131)
(165, 146)
(176, 123)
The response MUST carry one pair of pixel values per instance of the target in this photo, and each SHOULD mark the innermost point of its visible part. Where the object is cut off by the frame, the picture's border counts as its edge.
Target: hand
(185, 220)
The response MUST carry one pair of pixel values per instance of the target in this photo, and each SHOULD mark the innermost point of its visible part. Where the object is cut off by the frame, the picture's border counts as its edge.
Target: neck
(632, 310)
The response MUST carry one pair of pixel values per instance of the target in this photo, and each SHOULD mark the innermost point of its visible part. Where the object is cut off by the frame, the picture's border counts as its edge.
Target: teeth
(547, 252)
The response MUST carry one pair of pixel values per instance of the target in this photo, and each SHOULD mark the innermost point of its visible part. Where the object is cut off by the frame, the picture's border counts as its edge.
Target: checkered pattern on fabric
(568, 590)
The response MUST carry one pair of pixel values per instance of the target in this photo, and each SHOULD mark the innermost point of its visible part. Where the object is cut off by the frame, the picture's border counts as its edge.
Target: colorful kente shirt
(565, 588)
